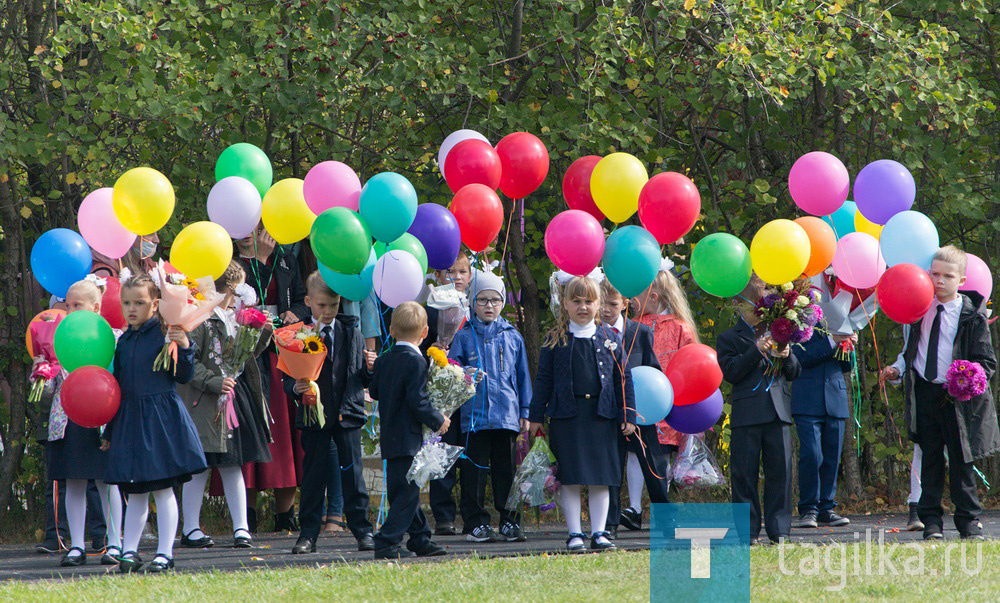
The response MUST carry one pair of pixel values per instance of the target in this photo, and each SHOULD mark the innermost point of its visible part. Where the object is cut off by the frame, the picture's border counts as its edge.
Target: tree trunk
(527, 288)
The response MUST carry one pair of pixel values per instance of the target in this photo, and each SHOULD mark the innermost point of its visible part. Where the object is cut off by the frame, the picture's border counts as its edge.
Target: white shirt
(946, 338)
(619, 325)
(407, 343)
(583, 332)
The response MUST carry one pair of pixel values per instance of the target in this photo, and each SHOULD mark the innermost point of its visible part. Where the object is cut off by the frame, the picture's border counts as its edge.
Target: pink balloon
(331, 184)
(819, 183)
(574, 241)
(978, 277)
(858, 261)
(99, 226)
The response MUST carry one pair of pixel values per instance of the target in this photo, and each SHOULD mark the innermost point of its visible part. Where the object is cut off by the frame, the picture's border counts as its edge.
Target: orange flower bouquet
(301, 353)
(184, 303)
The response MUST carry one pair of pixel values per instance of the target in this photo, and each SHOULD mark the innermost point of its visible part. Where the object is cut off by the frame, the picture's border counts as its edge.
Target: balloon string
(506, 236)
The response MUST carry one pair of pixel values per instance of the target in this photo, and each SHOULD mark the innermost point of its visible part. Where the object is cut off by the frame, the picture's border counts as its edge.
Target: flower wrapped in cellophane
(301, 353)
(696, 467)
(452, 306)
(432, 461)
(184, 303)
(535, 483)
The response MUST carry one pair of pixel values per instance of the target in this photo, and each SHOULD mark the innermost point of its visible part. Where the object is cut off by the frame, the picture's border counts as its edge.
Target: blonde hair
(672, 300)
(231, 277)
(316, 284)
(408, 321)
(953, 255)
(579, 286)
(88, 289)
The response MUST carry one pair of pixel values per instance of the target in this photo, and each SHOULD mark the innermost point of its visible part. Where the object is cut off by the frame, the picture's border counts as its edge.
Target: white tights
(569, 499)
(76, 511)
(633, 472)
(194, 494)
(166, 520)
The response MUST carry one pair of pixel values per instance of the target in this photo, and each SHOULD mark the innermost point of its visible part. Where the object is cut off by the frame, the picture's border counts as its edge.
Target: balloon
(235, 204)
(286, 216)
(479, 214)
(576, 186)
(884, 188)
(453, 139)
(331, 184)
(858, 261)
(341, 241)
(437, 230)
(822, 244)
(697, 417)
(59, 258)
(524, 163)
(388, 204)
(861, 224)
(143, 200)
(51, 318)
(84, 339)
(842, 220)
(90, 396)
(616, 183)
(819, 183)
(411, 244)
(669, 205)
(397, 278)
(721, 265)
(694, 373)
(978, 277)
(780, 252)
(905, 293)
(473, 162)
(111, 304)
(202, 249)
(100, 227)
(631, 259)
(909, 237)
(246, 161)
(654, 396)
(574, 241)
(355, 287)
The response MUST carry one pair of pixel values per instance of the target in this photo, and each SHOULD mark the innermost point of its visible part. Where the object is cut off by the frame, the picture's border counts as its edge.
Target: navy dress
(77, 455)
(154, 444)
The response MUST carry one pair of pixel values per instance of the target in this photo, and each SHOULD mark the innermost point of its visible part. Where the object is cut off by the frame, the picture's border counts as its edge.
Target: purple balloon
(697, 417)
(437, 229)
(882, 189)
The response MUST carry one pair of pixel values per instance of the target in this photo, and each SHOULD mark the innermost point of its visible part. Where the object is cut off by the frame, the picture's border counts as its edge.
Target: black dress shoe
(242, 539)
(304, 545)
(631, 519)
(285, 522)
(196, 543)
(111, 555)
(129, 562)
(366, 542)
(394, 552)
(160, 564)
(430, 549)
(601, 545)
(612, 532)
(829, 518)
(74, 560)
(445, 529)
(47, 548)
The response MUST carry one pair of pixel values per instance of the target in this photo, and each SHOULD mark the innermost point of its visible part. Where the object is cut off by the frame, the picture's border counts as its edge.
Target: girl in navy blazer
(588, 404)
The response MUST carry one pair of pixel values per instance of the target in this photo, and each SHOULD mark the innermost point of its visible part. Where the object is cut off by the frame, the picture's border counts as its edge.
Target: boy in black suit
(346, 372)
(400, 386)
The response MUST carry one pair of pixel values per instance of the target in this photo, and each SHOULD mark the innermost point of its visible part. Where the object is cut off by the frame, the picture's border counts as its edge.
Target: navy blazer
(553, 391)
(742, 364)
(638, 342)
(399, 383)
(820, 390)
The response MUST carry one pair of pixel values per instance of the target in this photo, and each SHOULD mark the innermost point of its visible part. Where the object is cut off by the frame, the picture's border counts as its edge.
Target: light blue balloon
(842, 220)
(654, 396)
(355, 287)
(631, 259)
(909, 237)
(388, 204)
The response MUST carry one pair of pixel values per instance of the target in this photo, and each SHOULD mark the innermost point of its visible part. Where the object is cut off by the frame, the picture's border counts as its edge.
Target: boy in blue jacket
(492, 419)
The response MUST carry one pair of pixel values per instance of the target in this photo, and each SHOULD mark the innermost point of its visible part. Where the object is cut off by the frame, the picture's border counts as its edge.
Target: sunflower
(440, 358)
(314, 345)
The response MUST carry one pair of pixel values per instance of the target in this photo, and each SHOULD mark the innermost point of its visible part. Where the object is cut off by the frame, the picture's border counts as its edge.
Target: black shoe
(196, 543)
(612, 532)
(578, 547)
(285, 522)
(161, 563)
(445, 529)
(808, 520)
(599, 542)
(394, 552)
(913, 524)
(430, 549)
(973, 531)
(129, 562)
(304, 545)
(829, 518)
(511, 532)
(366, 542)
(252, 520)
(777, 539)
(933, 532)
(47, 548)
(631, 519)
(74, 560)
(111, 555)
(242, 539)
(98, 543)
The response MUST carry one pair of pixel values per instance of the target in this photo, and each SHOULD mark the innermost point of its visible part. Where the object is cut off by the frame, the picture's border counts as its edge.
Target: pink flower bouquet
(965, 380)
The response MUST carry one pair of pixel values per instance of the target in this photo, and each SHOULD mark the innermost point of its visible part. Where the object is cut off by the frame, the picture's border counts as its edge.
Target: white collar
(408, 344)
(585, 332)
(619, 324)
(951, 306)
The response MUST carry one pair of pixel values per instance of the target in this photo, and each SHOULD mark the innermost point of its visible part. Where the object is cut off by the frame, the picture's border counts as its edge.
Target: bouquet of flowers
(301, 353)
(452, 306)
(535, 483)
(41, 375)
(965, 380)
(432, 461)
(39, 339)
(696, 467)
(184, 302)
(788, 314)
(250, 324)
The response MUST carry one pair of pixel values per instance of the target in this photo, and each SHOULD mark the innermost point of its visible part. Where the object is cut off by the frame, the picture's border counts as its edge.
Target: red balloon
(525, 162)
(669, 205)
(111, 304)
(694, 373)
(479, 213)
(905, 293)
(90, 396)
(472, 162)
(576, 186)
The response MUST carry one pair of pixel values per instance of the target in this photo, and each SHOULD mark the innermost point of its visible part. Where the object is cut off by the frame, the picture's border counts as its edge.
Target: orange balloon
(822, 241)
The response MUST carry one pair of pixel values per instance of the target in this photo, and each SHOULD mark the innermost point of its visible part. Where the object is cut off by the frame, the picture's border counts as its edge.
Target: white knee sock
(599, 501)
(111, 502)
(166, 521)
(236, 496)
(135, 520)
(915, 488)
(569, 500)
(192, 495)
(633, 472)
(76, 512)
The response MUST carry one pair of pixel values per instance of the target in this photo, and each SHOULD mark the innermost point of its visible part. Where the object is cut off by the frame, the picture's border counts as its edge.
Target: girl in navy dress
(153, 443)
(588, 403)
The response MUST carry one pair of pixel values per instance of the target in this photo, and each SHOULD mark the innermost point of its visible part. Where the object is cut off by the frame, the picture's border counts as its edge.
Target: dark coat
(399, 383)
(756, 398)
(820, 390)
(638, 346)
(291, 290)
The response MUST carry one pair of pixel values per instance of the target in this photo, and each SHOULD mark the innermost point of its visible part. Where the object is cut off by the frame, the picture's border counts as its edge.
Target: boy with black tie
(400, 386)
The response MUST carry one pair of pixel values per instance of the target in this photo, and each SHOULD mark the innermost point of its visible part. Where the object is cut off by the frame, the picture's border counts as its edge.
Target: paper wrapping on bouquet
(39, 337)
(177, 310)
(453, 307)
(845, 310)
(301, 365)
(433, 461)
(535, 483)
(696, 467)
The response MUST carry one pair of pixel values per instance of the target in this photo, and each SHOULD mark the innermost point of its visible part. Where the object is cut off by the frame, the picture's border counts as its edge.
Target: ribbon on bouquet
(230, 410)
(856, 394)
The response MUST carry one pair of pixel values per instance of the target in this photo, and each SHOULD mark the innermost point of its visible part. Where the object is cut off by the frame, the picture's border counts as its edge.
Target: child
(492, 419)
(953, 329)
(225, 449)
(346, 372)
(400, 386)
(636, 341)
(588, 401)
(153, 442)
(761, 419)
(73, 454)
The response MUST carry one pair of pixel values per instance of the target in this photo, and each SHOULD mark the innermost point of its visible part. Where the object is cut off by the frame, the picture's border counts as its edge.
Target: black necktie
(328, 340)
(931, 369)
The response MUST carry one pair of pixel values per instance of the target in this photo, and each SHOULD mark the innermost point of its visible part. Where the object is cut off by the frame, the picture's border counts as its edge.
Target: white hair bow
(124, 274)
(100, 282)
(563, 278)
(666, 265)
(246, 296)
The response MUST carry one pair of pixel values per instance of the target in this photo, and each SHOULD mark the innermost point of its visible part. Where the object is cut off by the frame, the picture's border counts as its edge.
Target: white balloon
(397, 278)
(234, 204)
(454, 138)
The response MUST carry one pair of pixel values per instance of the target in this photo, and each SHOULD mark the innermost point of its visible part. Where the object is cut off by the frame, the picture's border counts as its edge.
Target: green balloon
(246, 161)
(84, 339)
(341, 240)
(720, 264)
(631, 259)
(409, 243)
(380, 248)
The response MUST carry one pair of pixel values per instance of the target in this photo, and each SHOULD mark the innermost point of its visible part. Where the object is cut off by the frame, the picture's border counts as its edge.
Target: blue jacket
(504, 395)
(820, 389)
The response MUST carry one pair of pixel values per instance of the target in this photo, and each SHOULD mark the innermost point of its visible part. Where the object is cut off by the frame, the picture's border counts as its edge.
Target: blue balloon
(388, 204)
(654, 396)
(355, 287)
(59, 258)
(631, 259)
(909, 237)
(842, 220)
(437, 229)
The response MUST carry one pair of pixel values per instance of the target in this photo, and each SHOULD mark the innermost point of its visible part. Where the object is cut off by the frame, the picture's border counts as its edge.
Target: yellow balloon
(615, 184)
(143, 200)
(286, 216)
(780, 252)
(862, 224)
(202, 249)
